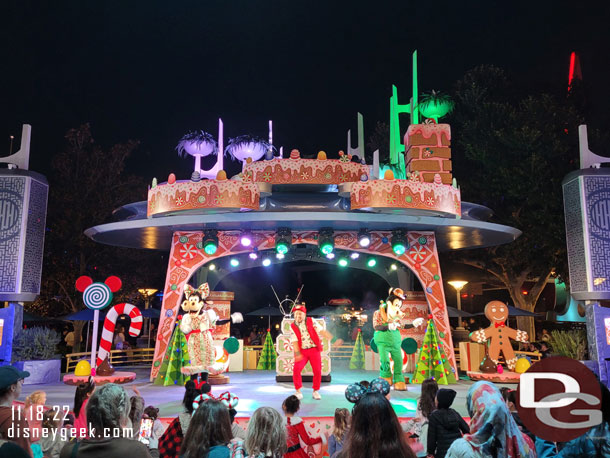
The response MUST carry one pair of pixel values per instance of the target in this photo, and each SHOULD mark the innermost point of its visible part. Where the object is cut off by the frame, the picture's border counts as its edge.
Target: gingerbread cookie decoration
(499, 334)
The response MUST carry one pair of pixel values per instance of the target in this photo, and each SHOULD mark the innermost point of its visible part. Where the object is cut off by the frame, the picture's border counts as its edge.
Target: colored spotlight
(364, 239)
(343, 262)
(246, 239)
(330, 255)
(283, 240)
(393, 267)
(372, 262)
(212, 267)
(399, 243)
(234, 262)
(266, 262)
(253, 255)
(210, 242)
(326, 241)
(354, 255)
(280, 255)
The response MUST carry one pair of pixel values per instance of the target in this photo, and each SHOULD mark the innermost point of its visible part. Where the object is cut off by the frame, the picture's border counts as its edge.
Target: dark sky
(153, 70)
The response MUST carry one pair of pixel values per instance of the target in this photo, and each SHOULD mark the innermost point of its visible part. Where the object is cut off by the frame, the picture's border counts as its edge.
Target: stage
(259, 388)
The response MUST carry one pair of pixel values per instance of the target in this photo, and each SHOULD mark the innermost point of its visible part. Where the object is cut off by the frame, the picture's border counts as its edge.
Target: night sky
(153, 70)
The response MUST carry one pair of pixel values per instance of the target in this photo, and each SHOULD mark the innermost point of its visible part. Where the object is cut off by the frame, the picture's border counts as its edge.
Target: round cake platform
(505, 377)
(218, 379)
(117, 377)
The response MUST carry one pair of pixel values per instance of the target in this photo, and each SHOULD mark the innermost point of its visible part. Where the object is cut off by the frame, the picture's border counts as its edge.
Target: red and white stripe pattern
(109, 324)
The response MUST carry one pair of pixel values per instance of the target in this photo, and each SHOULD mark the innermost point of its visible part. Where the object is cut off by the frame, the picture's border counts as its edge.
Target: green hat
(9, 375)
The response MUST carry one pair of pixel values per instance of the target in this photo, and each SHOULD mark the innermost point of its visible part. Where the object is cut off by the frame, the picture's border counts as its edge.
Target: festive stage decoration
(110, 323)
(433, 361)
(357, 359)
(268, 355)
(175, 358)
(82, 369)
(499, 334)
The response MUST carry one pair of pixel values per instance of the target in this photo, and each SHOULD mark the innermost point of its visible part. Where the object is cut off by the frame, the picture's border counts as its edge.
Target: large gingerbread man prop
(499, 334)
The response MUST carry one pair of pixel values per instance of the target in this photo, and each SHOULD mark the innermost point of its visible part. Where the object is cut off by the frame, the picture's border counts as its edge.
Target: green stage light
(372, 262)
(343, 262)
(234, 262)
(283, 241)
(326, 241)
(399, 243)
(281, 247)
(210, 242)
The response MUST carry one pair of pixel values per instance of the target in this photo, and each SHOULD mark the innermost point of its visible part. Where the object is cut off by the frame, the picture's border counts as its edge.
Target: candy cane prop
(109, 324)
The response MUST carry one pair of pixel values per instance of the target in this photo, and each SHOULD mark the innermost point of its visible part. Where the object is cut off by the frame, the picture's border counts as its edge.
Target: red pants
(313, 356)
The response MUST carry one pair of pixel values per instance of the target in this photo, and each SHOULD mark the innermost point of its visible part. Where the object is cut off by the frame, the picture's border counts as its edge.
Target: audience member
(34, 408)
(295, 430)
(417, 428)
(595, 443)
(11, 381)
(493, 432)
(510, 397)
(444, 424)
(266, 434)
(209, 432)
(53, 436)
(171, 440)
(237, 431)
(335, 441)
(81, 398)
(108, 413)
(158, 429)
(375, 431)
(135, 414)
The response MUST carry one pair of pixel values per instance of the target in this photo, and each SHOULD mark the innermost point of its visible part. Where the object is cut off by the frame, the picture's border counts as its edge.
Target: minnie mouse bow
(203, 289)
(228, 399)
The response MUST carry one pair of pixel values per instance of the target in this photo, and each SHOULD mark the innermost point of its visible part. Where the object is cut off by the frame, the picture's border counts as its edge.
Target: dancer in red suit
(295, 430)
(307, 347)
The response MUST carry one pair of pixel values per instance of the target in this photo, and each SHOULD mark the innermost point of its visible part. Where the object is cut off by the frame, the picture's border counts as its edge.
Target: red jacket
(312, 333)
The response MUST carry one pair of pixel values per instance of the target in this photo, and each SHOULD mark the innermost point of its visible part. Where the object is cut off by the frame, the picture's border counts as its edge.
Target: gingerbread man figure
(498, 334)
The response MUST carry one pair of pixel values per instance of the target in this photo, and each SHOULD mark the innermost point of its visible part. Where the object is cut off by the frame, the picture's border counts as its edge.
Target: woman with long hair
(375, 431)
(266, 434)
(335, 441)
(493, 431)
(81, 398)
(209, 432)
(135, 414)
(171, 440)
(417, 427)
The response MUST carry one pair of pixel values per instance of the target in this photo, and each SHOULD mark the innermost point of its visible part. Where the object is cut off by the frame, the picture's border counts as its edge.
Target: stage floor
(259, 388)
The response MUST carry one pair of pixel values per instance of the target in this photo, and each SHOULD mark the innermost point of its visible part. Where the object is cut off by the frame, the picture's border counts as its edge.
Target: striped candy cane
(109, 324)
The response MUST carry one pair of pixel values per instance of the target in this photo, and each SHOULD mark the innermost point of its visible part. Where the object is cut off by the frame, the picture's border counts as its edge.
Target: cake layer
(304, 171)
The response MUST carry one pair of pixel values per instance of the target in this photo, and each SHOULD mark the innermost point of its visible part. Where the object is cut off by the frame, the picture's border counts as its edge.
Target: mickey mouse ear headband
(229, 400)
(355, 391)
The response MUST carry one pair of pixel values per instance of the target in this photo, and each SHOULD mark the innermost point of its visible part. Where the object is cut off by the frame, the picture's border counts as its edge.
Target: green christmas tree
(433, 361)
(357, 359)
(268, 355)
(176, 356)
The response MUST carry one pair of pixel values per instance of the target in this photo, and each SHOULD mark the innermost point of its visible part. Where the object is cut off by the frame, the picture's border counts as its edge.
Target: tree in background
(176, 357)
(433, 362)
(268, 355)
(87, 184)
(357, 359)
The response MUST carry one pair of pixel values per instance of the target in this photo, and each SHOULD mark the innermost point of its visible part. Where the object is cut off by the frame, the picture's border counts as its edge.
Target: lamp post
(146, 294)
(458, 285)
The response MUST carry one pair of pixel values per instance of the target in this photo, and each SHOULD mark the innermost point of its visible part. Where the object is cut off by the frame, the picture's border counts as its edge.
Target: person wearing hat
(444, 424)
(307, 347)
(13, 426)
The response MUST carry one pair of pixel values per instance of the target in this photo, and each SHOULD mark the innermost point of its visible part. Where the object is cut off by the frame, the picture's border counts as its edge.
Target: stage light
(372, 262)
(266, 262)
(326, 241)
(330, 255)
(210, 242)
(253, 255)
(245, 239)
(280, 255)
(234, 262)
(283, 240)
(354, 255)
(399, 243)
(343, 262)
(212, 267)
(393, 267)
(364, 239)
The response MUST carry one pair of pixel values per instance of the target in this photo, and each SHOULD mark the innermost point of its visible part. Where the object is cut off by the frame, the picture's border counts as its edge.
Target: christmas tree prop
(175, 357)
(433, 361)
(268, 355)
(357, 359)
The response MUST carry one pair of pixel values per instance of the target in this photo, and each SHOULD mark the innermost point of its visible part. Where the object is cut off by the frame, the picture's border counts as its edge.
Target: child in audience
(157, 430)
(237, 431)
(510, 397)
(53, 435)
(34, 409)
(81, 398)
(417, 428)
(171, 440)
(295, 430)
(335, 441)
(444, 424)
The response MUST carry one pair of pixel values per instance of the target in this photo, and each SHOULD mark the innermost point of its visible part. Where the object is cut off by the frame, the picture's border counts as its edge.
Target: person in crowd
(108, 413)
(417, 428)
(34, 408)
(510, 397)
(158, 429)
(335, 441)
(237, 431)
(545, 336)
(135, 414)
(81, 398)
(444, 424)
(595, 443)
(53, 438)
(11, 381)
(266, 434)
(375, 431)
(209, 433)
(295, 430)
(119, 339)
(69, 339)
(493, 431)
(171, 440)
